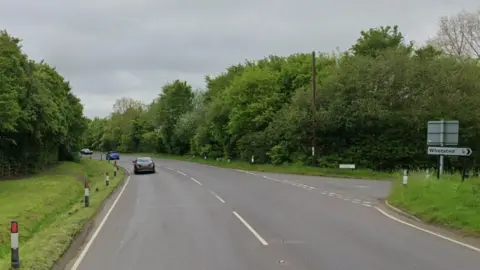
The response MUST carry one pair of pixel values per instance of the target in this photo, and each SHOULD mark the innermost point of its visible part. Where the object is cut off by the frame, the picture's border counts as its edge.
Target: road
(192, 216)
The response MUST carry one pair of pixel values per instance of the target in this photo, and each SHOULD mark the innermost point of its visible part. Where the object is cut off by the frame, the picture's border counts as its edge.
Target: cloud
(114, 48)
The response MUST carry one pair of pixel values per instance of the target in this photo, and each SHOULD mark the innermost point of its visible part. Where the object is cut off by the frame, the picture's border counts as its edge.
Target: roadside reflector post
(87, 194)
(428, 173)
(115, 168)
(107, 179)
(405, 177)
(14, 239)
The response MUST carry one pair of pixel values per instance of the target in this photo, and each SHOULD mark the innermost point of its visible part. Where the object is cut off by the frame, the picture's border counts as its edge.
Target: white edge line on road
(218, 197)
(95, 234)
(427, 231)
(251, 229)
(195, 180)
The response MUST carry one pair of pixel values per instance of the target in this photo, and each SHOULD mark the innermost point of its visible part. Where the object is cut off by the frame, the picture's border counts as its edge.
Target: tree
(41, 120)
(375, 40)
(372, 107)
(459, 34)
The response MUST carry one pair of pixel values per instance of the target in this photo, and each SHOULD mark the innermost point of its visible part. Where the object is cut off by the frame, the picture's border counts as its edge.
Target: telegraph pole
(314, 109)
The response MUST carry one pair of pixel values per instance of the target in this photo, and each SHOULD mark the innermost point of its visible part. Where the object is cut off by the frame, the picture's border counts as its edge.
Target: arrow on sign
(449, 151)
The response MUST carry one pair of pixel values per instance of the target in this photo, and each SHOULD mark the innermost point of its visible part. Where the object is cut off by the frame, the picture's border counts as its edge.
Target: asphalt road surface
(192, 216)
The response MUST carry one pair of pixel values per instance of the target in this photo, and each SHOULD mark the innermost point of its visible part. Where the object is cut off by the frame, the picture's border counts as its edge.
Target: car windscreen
(144, 160)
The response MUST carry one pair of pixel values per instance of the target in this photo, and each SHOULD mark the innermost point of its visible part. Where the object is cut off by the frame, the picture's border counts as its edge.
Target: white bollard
(87, 194)
(405, 177)
(428, 173)
(14, 244)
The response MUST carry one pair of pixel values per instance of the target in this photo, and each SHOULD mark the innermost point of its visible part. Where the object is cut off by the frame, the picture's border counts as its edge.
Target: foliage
(459, 34)
(449, 202)
(54, 212)
(41, 120)
(373, 104)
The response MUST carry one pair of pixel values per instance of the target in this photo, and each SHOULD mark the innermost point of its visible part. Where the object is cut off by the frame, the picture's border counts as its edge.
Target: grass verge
(290, 169)
(447, 202)
(50, 210)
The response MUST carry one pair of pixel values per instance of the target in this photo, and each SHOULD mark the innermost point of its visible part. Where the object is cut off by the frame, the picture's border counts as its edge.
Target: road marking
(273, 179)
(95, 234)
(181, 173)
(300, 185)
(251, 229)
(218, 197)
(195, 180)
(245, 172)
(427, 231)
(168, 168)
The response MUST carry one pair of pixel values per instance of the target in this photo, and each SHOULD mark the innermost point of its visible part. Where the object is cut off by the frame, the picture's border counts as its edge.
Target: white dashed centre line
(218, 197)
(251, 229)
(181, 173)
(195, 180)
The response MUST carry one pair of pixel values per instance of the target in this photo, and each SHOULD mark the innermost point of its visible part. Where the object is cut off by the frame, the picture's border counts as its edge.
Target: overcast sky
(110, 49)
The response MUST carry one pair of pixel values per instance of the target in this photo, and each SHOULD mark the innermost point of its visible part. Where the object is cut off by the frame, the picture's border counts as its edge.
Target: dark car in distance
(143, 164)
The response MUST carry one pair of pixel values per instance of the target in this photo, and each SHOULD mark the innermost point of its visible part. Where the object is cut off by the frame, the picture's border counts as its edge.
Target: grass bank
(50, 210)
(290, 168)
(447, 202)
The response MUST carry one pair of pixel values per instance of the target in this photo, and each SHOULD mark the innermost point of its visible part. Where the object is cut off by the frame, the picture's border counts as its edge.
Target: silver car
(143, 164)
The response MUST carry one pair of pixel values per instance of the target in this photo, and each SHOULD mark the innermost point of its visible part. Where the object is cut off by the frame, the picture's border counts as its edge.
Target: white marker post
(14, 238)
(87, 194)
(428, 173)
(405, 177)
(107, 179)
(115, 171)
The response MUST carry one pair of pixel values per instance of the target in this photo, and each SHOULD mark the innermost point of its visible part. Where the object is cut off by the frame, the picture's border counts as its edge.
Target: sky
(109, 49)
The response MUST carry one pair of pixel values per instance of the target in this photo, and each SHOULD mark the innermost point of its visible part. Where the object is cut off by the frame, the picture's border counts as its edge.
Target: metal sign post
(442, 133)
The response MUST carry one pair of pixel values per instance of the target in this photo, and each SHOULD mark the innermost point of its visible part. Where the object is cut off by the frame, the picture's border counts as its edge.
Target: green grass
(291, 169)
(447, 202)
(50, 211)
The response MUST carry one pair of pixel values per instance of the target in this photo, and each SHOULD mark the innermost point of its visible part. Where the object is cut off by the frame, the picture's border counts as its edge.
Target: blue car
(111, 155)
